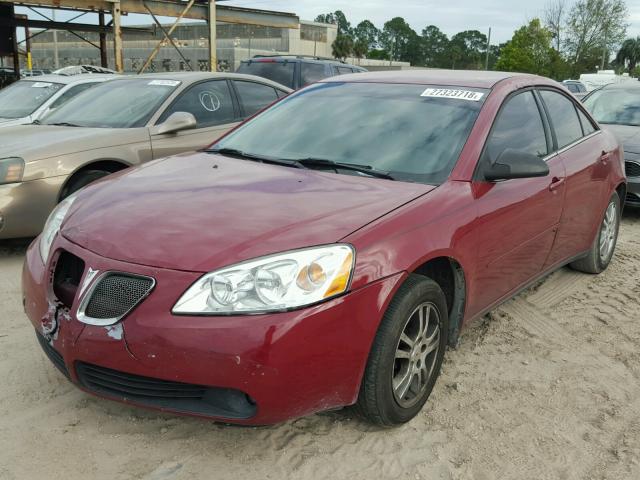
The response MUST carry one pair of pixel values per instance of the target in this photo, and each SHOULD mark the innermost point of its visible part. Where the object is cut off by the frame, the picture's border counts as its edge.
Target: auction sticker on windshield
(41, 85)
(452, 93)
(165, 83)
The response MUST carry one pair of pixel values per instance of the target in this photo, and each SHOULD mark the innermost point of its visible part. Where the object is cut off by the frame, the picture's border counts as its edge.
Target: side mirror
(516, 164)
(176, 122)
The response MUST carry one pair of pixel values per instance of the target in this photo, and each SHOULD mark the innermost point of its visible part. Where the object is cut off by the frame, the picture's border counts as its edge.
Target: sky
(503, 16)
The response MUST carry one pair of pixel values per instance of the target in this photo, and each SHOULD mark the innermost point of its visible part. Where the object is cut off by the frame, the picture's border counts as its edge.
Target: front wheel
(406, 355)
(604, 245)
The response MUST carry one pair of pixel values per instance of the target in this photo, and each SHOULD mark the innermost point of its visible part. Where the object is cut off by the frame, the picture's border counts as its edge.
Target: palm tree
(629, 53)
(342, 46)
(360, 49)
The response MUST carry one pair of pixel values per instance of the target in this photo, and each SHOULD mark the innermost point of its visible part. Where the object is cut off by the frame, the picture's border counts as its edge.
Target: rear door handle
(556, 183)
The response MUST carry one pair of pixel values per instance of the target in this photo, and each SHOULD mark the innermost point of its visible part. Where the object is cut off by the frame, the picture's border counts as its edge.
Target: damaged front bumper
(256, 369)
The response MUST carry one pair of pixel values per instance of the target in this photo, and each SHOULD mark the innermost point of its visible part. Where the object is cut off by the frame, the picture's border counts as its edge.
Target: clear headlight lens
(11, 170)
(53, 225)
(274, 283)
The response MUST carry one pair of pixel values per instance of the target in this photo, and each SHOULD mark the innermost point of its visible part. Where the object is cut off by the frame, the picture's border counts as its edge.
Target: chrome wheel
(608, 232)
(416, 354)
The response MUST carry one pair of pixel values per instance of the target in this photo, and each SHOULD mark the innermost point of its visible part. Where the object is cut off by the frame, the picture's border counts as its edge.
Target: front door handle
(605, 156)
(556, 183)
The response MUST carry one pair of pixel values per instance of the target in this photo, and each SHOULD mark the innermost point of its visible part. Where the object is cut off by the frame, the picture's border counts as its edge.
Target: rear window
(281, 72)
(414, 132)
(23, 98)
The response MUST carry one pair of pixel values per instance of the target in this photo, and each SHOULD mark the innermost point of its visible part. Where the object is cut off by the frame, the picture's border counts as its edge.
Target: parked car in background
(576, 87)
(122, 122)
(327, 251)
(34, 73)
(296, 71)
(7, 76)
(617, 108)
(80, 69)
(32, 98)
(593, 81)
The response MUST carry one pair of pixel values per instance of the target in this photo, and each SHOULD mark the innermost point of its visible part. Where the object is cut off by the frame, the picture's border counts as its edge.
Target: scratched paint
(115, 331)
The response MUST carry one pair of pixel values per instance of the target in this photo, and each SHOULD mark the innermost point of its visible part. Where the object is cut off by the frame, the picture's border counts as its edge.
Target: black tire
(82, 179)
(596, 262)
(378, 400)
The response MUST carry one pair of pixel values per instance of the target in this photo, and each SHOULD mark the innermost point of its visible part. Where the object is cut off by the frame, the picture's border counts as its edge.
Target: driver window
(518, 126)
(210, 102)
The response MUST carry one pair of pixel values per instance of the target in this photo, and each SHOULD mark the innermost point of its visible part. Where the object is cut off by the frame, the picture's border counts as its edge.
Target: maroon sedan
(327, 251)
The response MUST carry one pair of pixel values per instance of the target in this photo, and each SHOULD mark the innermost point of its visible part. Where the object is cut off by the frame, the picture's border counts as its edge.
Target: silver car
(123, 122)
(33, 97)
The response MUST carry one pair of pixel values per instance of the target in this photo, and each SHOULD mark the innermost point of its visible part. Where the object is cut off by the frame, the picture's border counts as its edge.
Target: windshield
(126, 103)
(24, 97)
(410, 131)
(620, 106)
(281, 72)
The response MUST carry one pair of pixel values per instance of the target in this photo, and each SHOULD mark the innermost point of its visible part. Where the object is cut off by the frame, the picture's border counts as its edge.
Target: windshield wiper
(365, 169)
(233, 152)
(64, 124)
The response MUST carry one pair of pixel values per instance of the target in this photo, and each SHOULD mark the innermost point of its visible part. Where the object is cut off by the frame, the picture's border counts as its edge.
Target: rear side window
(573, 88)
(255, 96)
(72, 92)
(587, 126)
(344, 70)
(312, 72)
(280, 72)
(519, 127)
(564, 117)
(210, 102)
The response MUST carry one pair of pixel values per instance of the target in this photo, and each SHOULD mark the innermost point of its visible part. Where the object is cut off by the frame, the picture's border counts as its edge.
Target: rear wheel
(82, 179)
(406, 355)
(604, 245)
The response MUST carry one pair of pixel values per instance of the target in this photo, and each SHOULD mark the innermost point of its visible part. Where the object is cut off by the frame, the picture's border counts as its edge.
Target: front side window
(564, 117)
(210, 102)
(126, 103)
(518, 127)
(312, 72)
(395, 128)
(617, 106)
(254, 96)
(24, 97)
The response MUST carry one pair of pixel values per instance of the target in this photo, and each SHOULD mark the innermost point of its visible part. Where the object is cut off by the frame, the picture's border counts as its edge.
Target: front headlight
(274, 283)
(53, 225)
(11, 170)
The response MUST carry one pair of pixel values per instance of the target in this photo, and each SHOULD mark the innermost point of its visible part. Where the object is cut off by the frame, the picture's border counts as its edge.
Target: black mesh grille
(177, 396)
(632, 168)
(116, 294)
(53, 355)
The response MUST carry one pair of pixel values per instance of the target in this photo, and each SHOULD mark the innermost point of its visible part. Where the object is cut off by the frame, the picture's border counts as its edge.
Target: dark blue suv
(295, 71)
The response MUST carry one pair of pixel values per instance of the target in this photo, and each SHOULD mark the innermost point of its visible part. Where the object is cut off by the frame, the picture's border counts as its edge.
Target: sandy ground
(545, 387)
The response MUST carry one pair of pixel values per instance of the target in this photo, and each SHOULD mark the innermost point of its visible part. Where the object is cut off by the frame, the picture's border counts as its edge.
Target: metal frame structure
(206, 10)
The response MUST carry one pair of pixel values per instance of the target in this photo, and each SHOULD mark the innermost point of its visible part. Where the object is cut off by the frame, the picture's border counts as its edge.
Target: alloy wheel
(608, 232)
(416, 354)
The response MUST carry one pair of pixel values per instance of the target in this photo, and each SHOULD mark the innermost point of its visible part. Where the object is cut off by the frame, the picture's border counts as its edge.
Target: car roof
(300, 58)
(192, 77)
(622, 85)
(66, 79)
(467, 78)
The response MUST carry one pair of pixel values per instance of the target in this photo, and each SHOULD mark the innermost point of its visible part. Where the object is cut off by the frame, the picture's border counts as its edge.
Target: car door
(579, 144)
(517, 219)
(254, 96)
(211, 103)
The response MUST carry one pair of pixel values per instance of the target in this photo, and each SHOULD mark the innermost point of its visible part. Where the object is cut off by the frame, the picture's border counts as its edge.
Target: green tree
(402, 43)
(368, 33)
(472, 46)
(360, 49)
(529, 51)
(629, 54)
(594, 24)
(435, 45)
(342, 47)
(336, 18)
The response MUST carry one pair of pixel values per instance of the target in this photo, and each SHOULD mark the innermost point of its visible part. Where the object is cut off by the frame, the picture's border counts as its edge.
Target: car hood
(202, 211)
(627, 134)
(10, 122)
(35, 142)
